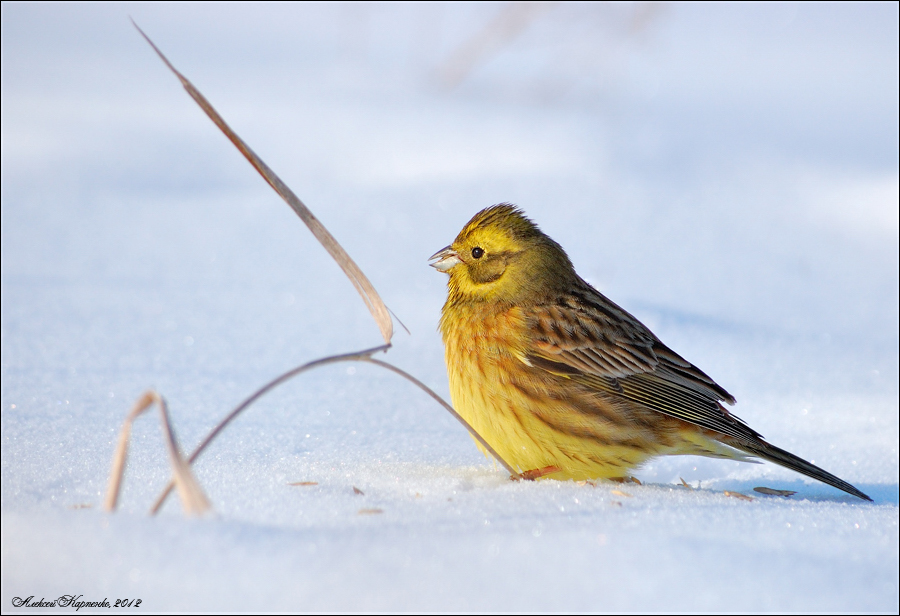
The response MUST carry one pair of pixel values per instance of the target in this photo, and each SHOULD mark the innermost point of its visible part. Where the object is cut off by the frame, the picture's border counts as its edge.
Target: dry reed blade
(363, 356)
(192, 497)
(370, 296)
(512, 20)
(365, 289)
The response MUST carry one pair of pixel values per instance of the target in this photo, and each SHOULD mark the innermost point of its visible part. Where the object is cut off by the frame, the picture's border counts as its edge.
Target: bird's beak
(446, 258)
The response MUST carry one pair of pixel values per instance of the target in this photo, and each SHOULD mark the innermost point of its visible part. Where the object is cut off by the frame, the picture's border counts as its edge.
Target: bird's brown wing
(588, 338)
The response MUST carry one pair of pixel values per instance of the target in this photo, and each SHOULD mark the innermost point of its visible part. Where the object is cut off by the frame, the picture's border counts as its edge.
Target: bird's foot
(626, 480)
(537, 473)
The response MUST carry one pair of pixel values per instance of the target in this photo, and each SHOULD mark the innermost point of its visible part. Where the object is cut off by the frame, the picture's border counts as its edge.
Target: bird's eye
(477, 252)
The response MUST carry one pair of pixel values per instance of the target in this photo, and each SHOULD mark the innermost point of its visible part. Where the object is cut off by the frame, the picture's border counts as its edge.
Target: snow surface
(727, 173)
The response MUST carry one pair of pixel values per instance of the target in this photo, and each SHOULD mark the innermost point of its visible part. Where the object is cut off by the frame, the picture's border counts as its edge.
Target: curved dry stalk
(370, 296)
(192, 497)
(365, 289)
(363, 356)
(450, 409)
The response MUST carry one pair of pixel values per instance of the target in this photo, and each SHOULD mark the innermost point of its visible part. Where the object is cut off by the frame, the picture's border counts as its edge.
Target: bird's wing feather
(595, 340)
(591, 340)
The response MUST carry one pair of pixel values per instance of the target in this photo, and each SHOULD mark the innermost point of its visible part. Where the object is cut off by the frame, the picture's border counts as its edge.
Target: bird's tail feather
(787, 459)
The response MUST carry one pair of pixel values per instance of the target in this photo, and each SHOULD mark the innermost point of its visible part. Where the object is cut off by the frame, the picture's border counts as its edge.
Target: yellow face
(486, 256)
(500, 255)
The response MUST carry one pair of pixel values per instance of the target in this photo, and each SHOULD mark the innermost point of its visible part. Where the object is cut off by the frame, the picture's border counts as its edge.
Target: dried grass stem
(363, 356)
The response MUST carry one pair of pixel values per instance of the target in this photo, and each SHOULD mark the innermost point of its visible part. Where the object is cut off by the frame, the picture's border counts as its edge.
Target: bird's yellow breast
(533, 419)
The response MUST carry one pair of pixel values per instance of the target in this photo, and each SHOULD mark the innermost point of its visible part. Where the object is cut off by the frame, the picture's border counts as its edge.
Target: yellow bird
(561, 381)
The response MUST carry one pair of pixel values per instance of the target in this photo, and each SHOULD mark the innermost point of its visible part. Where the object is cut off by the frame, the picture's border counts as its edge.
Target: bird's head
(500, 255)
